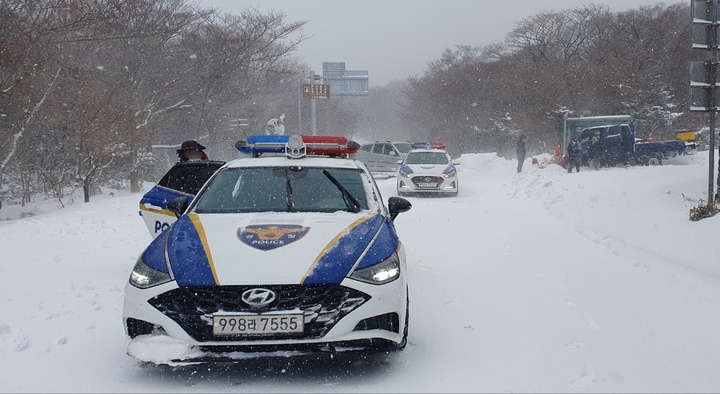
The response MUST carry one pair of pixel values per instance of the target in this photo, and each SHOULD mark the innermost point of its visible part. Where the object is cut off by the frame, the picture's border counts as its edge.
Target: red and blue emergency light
(297, 146)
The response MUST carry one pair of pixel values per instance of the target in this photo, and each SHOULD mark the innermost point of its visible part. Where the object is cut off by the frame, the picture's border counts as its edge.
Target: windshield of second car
(284, 189)
(427, 158)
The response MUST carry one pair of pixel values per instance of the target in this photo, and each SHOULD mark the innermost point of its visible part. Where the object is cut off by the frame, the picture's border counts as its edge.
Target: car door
(366, 156)
(184, 179)
(387, 157)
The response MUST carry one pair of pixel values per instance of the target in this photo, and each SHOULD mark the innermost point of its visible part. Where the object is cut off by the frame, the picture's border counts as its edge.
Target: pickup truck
(617, 145)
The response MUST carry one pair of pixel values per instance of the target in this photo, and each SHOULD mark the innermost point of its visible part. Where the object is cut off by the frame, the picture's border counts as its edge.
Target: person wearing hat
(191, 150)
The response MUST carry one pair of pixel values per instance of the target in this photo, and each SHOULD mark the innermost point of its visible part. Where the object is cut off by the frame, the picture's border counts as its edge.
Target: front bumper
(170, 325)
(427, 184)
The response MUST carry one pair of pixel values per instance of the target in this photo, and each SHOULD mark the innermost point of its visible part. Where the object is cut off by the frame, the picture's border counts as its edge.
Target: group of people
(574, 153)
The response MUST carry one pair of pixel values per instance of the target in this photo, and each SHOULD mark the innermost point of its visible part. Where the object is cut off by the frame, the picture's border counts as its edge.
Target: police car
(274, 256)
(428, 171)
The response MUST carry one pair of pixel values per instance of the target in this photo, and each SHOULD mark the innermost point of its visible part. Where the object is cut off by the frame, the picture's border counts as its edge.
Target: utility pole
(703, 77)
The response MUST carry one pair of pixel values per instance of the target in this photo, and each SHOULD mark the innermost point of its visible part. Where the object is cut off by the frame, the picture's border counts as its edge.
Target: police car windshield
(427, 158)
(282, 189)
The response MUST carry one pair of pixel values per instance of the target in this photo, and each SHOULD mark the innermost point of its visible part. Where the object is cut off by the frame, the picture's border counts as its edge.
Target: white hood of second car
(278, 248)
(422, 169)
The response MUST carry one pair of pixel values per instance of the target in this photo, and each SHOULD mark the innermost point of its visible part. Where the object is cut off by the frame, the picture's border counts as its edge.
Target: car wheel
(654, 161)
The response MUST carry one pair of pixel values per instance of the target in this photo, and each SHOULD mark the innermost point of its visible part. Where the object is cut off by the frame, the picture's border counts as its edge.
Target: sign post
(703, 75)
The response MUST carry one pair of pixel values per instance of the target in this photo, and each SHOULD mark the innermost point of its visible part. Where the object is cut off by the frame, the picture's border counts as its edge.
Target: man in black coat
(520, 152)
(574, 156)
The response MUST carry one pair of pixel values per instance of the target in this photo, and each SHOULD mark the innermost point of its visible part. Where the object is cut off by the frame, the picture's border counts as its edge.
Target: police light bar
(257, 144)
(428, 145)
(297, 146)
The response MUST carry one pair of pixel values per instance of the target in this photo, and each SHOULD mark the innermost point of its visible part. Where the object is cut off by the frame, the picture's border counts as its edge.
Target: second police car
(287, 254)
(428, 171)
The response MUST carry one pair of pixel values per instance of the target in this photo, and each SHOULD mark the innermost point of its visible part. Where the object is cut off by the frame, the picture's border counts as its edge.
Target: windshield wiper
(350, 201)
(289, 192)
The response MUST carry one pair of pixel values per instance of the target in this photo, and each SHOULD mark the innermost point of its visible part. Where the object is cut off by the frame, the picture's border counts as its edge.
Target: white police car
(428, 171)
(274, 256)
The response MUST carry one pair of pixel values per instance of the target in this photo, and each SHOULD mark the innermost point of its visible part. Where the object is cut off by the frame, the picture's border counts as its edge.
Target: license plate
(425, 184)
(266, 324)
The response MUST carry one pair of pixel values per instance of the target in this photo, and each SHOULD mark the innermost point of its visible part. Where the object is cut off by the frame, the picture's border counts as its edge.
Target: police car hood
(276, 248)
(429, 169)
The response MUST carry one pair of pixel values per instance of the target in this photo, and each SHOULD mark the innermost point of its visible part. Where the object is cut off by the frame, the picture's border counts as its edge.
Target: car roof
(428, 150)
(281, 161)
(388, 142)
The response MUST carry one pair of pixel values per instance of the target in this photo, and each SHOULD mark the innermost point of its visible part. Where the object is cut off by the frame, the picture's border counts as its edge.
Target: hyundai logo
(258, 298)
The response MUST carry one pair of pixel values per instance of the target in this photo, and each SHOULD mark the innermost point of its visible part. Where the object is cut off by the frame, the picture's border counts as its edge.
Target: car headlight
(406, 171)
(384, 272)
(450, 172)
(143, 276)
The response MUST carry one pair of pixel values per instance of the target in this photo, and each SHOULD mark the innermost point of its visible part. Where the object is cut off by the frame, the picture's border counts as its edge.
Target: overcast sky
(394, 39)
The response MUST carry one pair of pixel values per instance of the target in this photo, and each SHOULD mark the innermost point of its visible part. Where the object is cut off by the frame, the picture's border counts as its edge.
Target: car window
(427, 158)
(189, 178)
(282, 189)
(403, 147)
(367, 147)
(378, 148)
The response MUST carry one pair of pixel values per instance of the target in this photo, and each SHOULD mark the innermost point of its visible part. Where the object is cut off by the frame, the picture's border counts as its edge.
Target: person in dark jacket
(520, 152)
(574, 156)
(191, 150)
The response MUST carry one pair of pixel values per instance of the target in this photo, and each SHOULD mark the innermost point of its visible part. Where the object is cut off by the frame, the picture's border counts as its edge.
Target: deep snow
(539, 281)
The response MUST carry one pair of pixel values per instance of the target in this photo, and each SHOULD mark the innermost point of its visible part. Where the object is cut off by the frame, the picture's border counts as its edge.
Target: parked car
(184, 179)
(382, 156)
(287, 256)
(617, 145)
(428, 171)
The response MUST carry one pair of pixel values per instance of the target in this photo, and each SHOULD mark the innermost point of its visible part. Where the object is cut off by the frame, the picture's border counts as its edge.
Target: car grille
(420, 181)
(323, 305)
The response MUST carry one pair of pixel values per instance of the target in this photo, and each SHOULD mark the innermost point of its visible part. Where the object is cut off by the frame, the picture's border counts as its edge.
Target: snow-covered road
(540, 281)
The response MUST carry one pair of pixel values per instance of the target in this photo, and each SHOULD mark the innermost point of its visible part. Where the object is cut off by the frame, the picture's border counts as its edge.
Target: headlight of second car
(450, 172)
(384, 272)
(406, 172)
(143, 276)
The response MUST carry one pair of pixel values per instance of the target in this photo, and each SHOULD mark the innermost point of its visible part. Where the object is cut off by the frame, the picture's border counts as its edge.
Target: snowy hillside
(539, 281)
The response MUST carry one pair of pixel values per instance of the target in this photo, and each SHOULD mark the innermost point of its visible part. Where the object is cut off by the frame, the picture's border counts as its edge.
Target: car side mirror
(398, 205)
(456, 162)
(178, 205)
(392, 153)
(398, 162)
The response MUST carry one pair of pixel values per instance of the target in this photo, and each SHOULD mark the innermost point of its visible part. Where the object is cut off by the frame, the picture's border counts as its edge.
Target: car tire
(654, 161)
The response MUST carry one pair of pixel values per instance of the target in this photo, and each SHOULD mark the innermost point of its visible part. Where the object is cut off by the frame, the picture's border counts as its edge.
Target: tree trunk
(86, 189)
(135, 183)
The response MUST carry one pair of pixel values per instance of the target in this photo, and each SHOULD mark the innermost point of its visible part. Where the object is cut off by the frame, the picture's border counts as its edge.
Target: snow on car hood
(273, 248)
(428, 168)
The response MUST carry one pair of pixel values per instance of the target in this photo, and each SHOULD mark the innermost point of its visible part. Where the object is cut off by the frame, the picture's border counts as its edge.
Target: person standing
(574, 156)
(520, 152)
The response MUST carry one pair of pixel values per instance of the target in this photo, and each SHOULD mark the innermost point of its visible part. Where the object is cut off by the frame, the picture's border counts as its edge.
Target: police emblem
(271, 236)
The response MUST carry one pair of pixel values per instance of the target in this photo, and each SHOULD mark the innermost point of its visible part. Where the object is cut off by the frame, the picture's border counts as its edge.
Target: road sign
(346, 82)
(315, 91)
